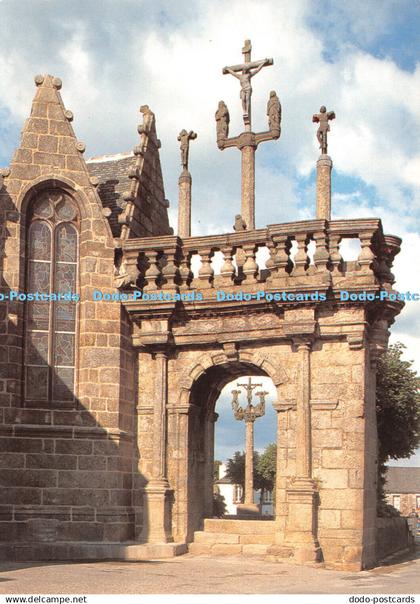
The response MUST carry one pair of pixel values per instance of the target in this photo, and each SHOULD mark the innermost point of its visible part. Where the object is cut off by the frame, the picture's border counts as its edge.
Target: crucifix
(248, 141)
(249, 414)
(244, 72)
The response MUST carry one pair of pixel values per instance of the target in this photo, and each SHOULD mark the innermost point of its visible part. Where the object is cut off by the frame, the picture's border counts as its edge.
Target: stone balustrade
(301, 256)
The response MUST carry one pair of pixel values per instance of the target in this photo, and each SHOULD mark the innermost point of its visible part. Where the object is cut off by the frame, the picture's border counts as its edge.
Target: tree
(235, 469)
(266, 468)
(397, 409)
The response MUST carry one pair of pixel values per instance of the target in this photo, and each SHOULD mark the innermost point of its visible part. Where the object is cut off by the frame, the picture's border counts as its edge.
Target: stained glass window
(50, 353)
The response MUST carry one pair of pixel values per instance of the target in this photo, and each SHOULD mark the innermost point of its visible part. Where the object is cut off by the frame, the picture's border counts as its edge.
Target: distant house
(402, 489)
(233, 494)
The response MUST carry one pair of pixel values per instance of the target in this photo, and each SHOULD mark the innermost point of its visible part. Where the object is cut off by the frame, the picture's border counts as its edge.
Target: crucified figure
(244, 78)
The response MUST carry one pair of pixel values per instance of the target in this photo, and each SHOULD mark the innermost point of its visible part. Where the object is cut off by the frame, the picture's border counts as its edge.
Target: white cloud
(170, 55)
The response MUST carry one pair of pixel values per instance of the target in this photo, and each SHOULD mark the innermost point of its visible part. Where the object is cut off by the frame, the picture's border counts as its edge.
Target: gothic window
(52, 262)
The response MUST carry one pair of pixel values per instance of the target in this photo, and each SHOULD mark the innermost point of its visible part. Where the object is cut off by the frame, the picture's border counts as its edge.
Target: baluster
(321, 256)
(272, 248)
(250, 267)
(227, 272)
(185, 272)
(380, 266)
(335, 257)
(270, 265)
(170, 271)
(153, 271)
(366, 256)
(206, 272)
(282, 263)
(392, 247)
(301, 258)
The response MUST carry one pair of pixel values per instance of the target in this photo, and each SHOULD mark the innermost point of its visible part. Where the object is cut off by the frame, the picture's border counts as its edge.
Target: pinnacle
(48, 81)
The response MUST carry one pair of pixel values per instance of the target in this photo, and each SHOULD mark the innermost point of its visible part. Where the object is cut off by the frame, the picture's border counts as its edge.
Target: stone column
(323, 187)
(211, 419)
(184, 204)
(302, 495)
(249, 463)
(303, 419)
(157, 525)
(247, 146)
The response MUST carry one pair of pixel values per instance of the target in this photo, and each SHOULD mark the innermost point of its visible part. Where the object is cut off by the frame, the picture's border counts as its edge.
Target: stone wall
(66, 471)
(342, 435)
(392, 536)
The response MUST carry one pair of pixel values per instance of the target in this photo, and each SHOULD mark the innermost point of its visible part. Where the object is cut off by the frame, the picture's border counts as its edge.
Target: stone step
(232, 538)
(228, 549)
(239, 527)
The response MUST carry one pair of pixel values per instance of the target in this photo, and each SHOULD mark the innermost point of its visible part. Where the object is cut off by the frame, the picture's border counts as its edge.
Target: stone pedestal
(323, 187)
(157, 512)
(248, 510)
(300, 533)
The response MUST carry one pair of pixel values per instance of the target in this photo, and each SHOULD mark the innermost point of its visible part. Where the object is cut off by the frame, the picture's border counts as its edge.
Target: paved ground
(203, 574)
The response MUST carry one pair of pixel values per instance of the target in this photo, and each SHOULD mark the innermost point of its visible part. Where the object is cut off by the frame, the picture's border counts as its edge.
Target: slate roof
(402, 480)
(112, 172)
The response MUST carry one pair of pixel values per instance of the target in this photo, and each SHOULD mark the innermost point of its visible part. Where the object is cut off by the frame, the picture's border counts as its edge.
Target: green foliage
(219, 505)
(397, 405)
(397, 411)
(235, 468)
(266, 468)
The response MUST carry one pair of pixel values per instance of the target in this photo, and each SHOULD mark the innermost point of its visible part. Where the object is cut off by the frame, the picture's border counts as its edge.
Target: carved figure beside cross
(323, 117)
(185, 137)
(248, 141)
(222, 121)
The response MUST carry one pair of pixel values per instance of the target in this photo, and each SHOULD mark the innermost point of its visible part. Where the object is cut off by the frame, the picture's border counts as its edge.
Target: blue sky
(358, 58)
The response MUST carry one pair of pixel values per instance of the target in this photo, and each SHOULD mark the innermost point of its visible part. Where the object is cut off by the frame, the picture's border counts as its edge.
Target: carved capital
(356, 341)
(284, 406)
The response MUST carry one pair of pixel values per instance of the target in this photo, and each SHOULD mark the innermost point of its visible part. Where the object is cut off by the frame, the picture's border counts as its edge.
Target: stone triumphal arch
(108, 425)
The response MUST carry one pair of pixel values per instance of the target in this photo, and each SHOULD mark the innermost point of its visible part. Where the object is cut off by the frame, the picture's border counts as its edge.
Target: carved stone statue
(185, 137)
(239, 223)
(244, 78)
(222, 121)
(274, 111)
(323, 117)
(148, 117)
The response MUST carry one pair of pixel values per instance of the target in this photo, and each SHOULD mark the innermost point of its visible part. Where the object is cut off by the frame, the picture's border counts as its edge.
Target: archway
(230, 444)
(205, 393)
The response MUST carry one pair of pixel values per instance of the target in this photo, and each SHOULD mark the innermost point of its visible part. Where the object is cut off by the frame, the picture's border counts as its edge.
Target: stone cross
(248, 141)
(244, 72)
(323, 117)
(249, 414)
(185, 137)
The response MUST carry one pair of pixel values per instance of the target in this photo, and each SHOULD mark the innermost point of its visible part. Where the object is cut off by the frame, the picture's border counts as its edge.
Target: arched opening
(209, 392)
(52, 255)
(230, 444)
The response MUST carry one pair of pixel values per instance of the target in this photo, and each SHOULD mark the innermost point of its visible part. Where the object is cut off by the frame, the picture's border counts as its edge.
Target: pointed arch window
(52, 267)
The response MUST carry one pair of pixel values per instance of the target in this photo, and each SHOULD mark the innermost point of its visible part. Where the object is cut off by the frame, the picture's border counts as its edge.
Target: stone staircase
(233, 537)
